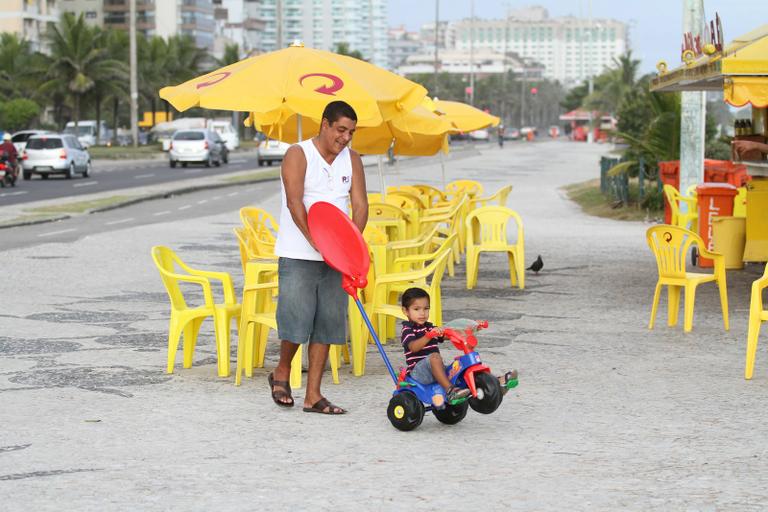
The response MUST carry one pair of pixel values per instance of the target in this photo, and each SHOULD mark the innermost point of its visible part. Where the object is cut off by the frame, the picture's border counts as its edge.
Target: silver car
(198, 146)
(55, 154)
(271, 151)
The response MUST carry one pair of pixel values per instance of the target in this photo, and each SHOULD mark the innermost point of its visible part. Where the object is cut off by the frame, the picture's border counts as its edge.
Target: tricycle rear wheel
(405, 411)
(489, 394)
(452, 414)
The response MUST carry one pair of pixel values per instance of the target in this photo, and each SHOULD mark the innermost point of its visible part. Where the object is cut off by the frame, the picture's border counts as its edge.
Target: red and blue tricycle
(344, 249)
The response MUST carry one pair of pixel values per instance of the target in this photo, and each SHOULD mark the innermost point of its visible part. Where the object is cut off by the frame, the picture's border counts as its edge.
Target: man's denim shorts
(422, 372)
(311, 305)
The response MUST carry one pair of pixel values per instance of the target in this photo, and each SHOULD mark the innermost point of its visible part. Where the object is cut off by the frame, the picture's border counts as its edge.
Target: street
(608, 413)
(116, 175)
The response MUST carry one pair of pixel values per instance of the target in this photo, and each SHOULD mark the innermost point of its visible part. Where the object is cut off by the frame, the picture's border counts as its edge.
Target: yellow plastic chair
(687, 220)
(390, 219)
(500, 197)
(740, 203)
(669, 245)
(186, 320)
(411, 205)
(430, 195)
(487, 232)
(757, 315)
(450, 220)
(471, 187)
(388, 286)
(424, 198)
(262, 229)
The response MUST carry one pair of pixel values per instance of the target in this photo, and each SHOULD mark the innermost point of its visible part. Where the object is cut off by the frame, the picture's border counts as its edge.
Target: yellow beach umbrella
(299, 80)
(465, 118)
(418, 132)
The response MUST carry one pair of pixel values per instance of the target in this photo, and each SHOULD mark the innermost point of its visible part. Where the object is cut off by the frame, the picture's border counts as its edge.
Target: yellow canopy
(418, 132)
(465, 118)
(302, 80)
(740, 71)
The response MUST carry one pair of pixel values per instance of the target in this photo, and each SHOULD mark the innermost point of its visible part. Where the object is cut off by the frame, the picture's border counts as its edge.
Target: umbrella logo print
(213, 79)
(337, 83)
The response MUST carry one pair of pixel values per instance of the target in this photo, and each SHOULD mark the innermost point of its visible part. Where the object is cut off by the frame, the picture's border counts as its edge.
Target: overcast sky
(655, 26)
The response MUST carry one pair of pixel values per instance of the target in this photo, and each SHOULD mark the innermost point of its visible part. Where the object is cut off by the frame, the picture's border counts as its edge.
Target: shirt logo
(345, 179)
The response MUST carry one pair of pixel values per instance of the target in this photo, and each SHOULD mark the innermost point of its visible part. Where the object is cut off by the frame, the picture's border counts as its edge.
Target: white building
(92, 10)
(486, 62)
(401, 44)
(322, 24)
(571, 49)
(29, 19)
(238, 22)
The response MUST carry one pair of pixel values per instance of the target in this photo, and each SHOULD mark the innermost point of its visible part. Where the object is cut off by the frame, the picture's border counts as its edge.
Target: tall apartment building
(92, 10)
(237, 21)
(29, 19)
(165, 18)
(571, 49)
(323, 24)
(401, 44)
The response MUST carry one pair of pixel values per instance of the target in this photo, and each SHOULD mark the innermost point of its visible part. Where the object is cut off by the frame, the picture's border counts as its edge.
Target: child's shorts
(422, 372)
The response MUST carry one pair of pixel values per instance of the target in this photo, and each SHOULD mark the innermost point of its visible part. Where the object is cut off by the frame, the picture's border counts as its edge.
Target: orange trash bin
(714, 200)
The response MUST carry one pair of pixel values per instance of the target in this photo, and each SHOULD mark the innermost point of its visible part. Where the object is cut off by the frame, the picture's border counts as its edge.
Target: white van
(86, 132)
(226, 131)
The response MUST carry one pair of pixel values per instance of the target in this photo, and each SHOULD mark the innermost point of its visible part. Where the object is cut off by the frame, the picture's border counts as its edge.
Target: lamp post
(133, 78)
(437, 61)
(472, 52)
(692, 111)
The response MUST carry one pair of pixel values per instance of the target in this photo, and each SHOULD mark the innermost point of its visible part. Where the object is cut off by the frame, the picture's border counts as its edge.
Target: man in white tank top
(311, 305)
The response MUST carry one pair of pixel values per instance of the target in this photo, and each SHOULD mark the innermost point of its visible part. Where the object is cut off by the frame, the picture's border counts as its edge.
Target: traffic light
(534, 90)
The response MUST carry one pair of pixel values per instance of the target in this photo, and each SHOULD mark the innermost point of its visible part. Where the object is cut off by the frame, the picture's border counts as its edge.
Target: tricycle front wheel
(489, 394)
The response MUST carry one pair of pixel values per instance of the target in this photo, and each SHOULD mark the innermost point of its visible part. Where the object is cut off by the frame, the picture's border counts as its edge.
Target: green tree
(344, 49)
(79, 60)
(16, 60)
(17, 114)
(611, 86)
(231, 55)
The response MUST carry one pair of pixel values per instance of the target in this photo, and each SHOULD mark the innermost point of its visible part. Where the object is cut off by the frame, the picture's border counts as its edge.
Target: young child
(422, 354)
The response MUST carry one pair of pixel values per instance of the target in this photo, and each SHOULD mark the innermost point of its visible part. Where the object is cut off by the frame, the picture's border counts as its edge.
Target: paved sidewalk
(608, 415)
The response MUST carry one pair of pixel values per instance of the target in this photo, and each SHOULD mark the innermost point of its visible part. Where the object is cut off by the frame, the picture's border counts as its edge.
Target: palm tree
(79, 60)
(154, 73)
(612, 85)
(231, 55)
(15, 66)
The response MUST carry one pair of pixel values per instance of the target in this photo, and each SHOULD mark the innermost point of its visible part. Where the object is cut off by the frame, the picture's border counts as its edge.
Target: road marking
(88, 184)
(233, 194)
(166, 212)
(143, 176)
(190, 171)
(203, 201)
(51, 233)
(216, 197)
(121, 221)
(17, 193)
(185, 207)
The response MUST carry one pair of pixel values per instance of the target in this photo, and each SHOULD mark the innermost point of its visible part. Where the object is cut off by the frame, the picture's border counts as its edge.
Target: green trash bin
(729, 234)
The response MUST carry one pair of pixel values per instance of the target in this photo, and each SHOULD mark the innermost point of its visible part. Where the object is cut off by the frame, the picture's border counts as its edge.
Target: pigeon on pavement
(537, 265)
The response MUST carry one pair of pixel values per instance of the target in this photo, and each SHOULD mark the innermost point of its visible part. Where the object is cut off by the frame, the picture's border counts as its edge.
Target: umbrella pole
(381, 177)
(442, 167)
(298, 127)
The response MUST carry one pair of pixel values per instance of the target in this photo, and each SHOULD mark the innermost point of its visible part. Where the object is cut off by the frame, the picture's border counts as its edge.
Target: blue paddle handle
(376, 339)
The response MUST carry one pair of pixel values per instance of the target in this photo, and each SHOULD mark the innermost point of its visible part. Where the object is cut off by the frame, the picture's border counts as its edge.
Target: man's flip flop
(280, 394)
(323, 404)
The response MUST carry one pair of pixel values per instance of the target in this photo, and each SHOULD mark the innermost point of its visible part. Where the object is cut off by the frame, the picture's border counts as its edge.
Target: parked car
(197, 146)
(479, 135)
(87, 130)
(55, 154)
(19, 139)
(511, 134)
(271, 151)
(227, 132)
